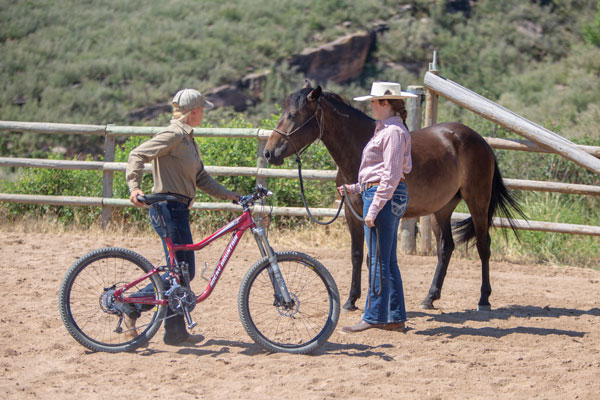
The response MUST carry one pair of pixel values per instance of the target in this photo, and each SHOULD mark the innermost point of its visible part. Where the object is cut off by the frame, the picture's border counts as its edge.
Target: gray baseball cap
(188, 99)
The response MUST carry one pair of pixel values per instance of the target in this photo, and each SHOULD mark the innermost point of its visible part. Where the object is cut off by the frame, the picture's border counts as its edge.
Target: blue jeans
(177, 219)
(385, 300)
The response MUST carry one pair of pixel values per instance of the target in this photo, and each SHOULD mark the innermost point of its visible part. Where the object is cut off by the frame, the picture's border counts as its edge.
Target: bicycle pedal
(192, 325)
(206, 267)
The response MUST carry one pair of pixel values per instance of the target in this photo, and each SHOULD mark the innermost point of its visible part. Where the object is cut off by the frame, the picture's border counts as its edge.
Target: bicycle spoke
(300, 327)
(91, 313)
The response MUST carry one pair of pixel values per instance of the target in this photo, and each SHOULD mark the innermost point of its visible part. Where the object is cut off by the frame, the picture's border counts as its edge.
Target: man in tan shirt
(176, 165)
(177, 169)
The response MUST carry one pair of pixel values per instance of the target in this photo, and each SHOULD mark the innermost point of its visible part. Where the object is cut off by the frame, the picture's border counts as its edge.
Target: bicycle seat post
(161, 219)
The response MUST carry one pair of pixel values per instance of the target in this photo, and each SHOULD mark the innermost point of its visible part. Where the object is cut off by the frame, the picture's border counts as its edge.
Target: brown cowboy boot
(130, 331)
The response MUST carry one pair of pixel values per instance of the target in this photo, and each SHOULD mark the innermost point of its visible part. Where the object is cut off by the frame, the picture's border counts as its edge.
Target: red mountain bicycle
(288, 301)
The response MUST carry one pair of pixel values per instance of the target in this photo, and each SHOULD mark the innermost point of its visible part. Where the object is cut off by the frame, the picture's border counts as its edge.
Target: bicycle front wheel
(93, 316)
(301, 328)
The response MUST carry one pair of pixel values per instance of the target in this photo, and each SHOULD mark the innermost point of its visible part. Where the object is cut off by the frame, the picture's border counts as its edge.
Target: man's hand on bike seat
(134, 197)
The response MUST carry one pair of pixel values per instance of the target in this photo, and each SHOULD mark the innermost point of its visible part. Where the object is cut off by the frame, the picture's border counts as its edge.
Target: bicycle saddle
(150, 199)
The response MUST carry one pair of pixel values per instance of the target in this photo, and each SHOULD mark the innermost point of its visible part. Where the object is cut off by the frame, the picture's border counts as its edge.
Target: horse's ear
(307, 84)
(314, 94)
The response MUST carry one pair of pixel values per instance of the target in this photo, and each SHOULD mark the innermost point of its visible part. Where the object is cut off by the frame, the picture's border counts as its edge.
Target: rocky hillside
(120, 61)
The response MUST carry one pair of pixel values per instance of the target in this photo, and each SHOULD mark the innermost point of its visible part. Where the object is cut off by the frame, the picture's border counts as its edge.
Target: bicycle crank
(182, 301)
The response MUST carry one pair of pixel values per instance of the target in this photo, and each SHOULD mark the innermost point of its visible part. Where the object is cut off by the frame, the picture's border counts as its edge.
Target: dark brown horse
(451, 162)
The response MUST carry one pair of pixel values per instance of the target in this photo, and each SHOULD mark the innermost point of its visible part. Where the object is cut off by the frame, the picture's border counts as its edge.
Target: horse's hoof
(484, 308)
(349, 307)
(427, 306)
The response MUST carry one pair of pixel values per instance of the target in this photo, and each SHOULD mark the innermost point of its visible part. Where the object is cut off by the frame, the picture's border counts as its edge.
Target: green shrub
(54, 183)
(591, 32)
(215, 151)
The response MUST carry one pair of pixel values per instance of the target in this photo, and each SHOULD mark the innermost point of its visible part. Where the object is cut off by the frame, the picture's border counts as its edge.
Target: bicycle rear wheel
(300, 329)
(90, 312)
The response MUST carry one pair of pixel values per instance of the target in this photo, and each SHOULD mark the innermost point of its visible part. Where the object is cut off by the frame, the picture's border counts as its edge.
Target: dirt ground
(541, 340)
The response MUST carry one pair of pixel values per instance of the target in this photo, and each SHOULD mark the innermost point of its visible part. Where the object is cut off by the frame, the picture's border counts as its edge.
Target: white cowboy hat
(385, 90)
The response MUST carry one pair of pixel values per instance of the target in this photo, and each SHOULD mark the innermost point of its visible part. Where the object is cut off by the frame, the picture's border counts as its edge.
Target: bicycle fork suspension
(281, 292)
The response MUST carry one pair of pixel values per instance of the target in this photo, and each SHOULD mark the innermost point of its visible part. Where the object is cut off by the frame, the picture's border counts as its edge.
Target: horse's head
(298, 125)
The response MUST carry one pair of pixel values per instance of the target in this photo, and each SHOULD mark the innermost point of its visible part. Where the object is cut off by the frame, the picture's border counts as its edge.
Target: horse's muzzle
(270, 156)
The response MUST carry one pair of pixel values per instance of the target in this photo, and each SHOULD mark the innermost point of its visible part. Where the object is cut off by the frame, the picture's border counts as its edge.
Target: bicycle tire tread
(64, 297)
(315, 343)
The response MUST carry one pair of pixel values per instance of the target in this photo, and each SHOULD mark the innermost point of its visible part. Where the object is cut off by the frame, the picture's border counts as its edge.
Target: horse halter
(288, 136)
(320, 124)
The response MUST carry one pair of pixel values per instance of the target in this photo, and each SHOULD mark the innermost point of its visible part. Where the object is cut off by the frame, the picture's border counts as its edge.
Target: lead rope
(299, 161)
(376, 293)
(320, 124)
(304, 198)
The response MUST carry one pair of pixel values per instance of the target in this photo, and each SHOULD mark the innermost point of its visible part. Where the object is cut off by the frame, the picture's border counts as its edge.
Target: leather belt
(369, 185)
(181, 198)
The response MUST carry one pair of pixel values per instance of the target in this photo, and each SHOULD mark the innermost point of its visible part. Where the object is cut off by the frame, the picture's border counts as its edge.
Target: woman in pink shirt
(385, 161)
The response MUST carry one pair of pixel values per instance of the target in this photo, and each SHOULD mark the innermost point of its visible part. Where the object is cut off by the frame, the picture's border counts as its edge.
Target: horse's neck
(345, 138)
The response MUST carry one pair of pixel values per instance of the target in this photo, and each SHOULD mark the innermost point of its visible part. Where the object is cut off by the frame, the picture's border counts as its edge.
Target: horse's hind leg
(478, 207)
(445, 246)
(482, 237)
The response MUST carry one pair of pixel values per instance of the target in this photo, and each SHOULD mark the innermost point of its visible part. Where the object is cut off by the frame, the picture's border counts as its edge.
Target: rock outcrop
(338, 61)
(229, 96)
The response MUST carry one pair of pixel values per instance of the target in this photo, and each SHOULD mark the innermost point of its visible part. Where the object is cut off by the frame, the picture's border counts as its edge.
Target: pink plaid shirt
(385, 159)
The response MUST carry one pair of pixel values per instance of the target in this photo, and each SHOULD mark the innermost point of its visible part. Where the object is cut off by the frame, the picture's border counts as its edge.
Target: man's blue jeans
(385, 300)
(177, 219)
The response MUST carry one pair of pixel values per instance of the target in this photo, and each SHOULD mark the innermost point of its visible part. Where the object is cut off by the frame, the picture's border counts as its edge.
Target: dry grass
(301, 237)
(331, 236)
(304, 236)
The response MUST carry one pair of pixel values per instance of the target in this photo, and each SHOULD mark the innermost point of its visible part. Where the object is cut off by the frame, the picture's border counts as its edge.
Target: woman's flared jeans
(385, 300)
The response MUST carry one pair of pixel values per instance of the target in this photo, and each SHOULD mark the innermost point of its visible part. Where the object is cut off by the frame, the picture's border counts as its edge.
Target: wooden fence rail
(312, 174)
(506, 118)
(261, 172)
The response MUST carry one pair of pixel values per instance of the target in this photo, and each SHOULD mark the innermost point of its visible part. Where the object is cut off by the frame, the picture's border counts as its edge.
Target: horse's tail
(501, 202)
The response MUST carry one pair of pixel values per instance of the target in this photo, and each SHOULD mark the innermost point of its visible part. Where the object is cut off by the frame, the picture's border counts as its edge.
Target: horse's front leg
(357, 234)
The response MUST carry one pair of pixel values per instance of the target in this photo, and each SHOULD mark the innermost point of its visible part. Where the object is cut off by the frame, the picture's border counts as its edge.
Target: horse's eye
(292, 116)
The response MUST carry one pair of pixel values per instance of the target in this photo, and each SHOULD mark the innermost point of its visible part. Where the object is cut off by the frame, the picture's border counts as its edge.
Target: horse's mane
(334, 96)
(298, 98)
(341, 104)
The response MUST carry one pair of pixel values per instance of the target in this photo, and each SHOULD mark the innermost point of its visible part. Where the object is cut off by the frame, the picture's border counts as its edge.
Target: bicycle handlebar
(259, 193)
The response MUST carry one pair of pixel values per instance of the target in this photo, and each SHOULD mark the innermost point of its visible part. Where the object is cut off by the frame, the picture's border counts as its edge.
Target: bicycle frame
(238, 226)
(114, 299)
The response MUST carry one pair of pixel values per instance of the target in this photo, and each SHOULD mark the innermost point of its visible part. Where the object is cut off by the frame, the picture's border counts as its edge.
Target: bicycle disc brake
(288, 311)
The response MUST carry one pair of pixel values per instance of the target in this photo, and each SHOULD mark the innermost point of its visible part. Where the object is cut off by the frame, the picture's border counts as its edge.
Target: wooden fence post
(261, 162)
(431, 108)
(107, 178)
(408, 226)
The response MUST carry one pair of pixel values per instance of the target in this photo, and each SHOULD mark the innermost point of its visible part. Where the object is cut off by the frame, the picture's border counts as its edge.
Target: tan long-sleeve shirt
(176, 164)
